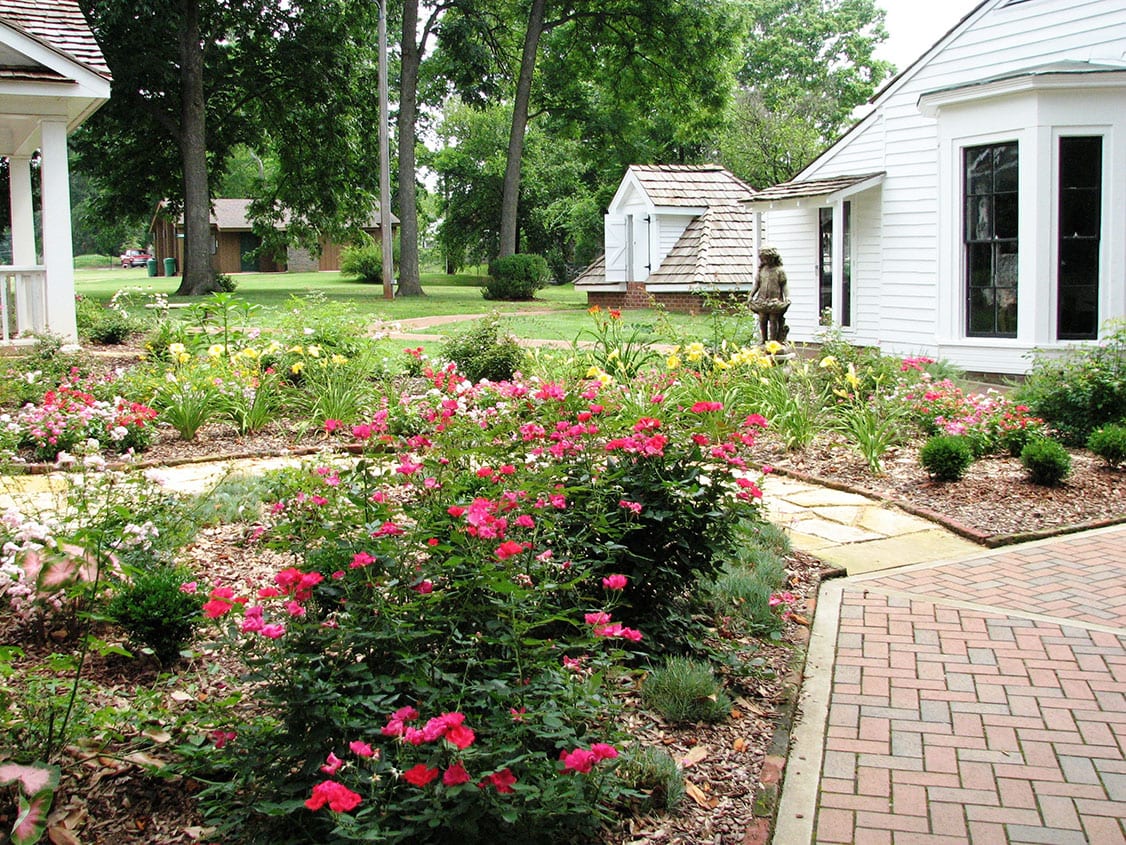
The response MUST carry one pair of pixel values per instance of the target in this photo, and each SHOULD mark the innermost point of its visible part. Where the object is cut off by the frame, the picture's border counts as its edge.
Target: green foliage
(741, 594)
(364, 261)
(156, 612)
(873, 427)
(236, 498)
(1109, 443)
(484, 352)
(190, 402)
(792, 403)
(515, 278)
(946, 457)
(1046, 461)
(619, 349)
(98, 324)
(224, 283)
(654, 774)
(1082, 390)
(685, 690)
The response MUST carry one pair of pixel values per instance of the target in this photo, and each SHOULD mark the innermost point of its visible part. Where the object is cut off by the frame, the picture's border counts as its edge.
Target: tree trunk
(409, 283)
(510, 198)
(198, 277)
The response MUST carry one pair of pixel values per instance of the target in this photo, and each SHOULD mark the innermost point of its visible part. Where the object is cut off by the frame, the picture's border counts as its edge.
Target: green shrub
(156, 612)
(685, 690)
(1109, 443)
(98, 324)
(946, 457)
(364, 260)
(655, 774)
(236, 498)
(516, 277)
(225, 283)
(1081, 391)
(483, 352)
(1047, 462)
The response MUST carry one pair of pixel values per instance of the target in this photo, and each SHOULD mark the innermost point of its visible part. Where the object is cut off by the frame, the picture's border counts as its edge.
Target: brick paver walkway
(982, 701)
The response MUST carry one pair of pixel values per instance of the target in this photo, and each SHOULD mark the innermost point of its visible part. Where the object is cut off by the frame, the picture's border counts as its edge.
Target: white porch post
(23, 236)
(838, 262)
(23, 211)
(58, 255)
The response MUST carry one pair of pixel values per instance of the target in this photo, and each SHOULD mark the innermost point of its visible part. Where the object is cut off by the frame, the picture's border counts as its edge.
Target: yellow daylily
(829, 363)
(297, 367)
(314, 351)
(216, 350)
(852, 378)
(337, 358)
(695, 351)
(773, 347)
(673, 362)
(176, 349)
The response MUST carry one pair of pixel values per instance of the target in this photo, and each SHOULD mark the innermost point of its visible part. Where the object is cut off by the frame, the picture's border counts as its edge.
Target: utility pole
(384, 159)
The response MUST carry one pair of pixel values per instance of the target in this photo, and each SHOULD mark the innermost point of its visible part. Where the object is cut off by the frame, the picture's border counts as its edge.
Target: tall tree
(806, 66)
(194, 77)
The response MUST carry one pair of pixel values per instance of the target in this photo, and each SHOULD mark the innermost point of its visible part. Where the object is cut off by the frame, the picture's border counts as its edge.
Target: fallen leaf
(157, 735)
(798, 618)
(699, 796)
(59, 835)
(736, 713)
(140, 758)
(696, 755)
(740, 744)
(180, 695)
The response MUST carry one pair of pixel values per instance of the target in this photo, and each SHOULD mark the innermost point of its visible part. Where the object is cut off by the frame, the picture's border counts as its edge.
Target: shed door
(248, 261)
(616, 249)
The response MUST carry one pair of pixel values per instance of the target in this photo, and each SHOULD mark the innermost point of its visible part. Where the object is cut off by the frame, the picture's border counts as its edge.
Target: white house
(52, 78)
(979, 210)
(672, 231)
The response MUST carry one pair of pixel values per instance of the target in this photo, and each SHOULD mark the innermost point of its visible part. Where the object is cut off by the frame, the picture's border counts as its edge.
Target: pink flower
(755, 421)
(332, 764)
(632, 507)
(331, 425)
(190, 587)
(215, 608)
(508, 548)
(340, 799)
(518, 715)
(361, 749)
(419, 775)
(274, 631)
(221, 738)
(424, 587)
(579, 761)
(602, 751)
(615, 582)
(361, 559)
(362, 431)
(405, 714)
(600, 618)
(574, 664)
(455, 775)
(705, 407)
(461, 736)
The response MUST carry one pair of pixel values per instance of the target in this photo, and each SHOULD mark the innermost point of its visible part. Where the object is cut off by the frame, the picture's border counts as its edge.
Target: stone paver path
(981, 701)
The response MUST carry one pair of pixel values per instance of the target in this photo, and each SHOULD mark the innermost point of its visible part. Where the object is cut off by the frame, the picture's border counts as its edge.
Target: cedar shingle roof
(594, 274)
(812, 187)
(717, 248)
(691, 186)
(58, 24)
(230, 215)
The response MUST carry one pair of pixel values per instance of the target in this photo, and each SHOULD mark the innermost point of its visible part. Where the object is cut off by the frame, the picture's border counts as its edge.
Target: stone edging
(974, 535)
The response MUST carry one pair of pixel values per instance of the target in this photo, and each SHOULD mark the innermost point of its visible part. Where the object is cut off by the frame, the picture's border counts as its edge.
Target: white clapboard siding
(896, 226)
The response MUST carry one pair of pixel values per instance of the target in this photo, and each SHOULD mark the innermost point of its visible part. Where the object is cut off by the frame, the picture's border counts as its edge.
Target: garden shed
(52, 78)
(978, 211)
(672, 232)
(235, 244)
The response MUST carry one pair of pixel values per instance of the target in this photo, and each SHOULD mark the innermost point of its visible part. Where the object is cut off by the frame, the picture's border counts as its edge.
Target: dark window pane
(979, 171)
(979, 218)
(825, 282)
(1080, 228)
(982, 313)
(1005, 170)
(979, 265)
(846, 276)
(1005, 213)
(1081, 162)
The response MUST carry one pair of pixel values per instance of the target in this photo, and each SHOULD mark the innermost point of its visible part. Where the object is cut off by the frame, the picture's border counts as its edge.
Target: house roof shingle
(690, 186)
(230, 215)
(717, 248)
(60, 25)
(811, 187)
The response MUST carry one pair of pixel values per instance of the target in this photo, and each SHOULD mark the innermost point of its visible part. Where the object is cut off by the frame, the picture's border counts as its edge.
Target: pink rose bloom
(274, 631)
(332, 764)
(615, 582)
(361, 749)
(340, 799)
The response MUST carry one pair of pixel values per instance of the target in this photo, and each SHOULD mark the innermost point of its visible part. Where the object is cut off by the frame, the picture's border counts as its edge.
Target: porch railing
(23, 300)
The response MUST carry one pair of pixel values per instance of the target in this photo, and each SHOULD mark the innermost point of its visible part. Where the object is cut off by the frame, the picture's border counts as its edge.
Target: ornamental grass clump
(946, 457)
(685, 690)
(1046, 461)
(655, 776)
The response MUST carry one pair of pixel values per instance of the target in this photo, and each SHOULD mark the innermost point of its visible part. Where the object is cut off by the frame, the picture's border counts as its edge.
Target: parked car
(134, 258)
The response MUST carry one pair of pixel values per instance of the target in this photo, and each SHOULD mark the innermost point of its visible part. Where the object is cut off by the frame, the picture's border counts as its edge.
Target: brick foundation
(637, 296)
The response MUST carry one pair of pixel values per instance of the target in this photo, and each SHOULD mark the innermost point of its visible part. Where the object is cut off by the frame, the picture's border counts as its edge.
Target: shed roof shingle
(59, 24)
(690, 185)
(717, 248)
(812, 187)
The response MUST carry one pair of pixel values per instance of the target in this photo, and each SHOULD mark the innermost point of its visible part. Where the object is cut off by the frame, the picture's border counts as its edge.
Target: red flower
(455, 775)
(461, 736)
(580, 760)
(420, 775)
(508, 548)
(705, 407)
(502, 781)
(340, 799)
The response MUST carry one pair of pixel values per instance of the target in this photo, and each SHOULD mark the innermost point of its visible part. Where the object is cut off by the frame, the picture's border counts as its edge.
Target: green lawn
(460, 294)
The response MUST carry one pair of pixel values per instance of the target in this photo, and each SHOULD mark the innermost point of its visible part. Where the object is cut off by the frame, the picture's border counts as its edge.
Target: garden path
(979, 698)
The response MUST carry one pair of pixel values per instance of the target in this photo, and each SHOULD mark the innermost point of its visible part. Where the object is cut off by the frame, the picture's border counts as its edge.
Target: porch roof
(832, 188)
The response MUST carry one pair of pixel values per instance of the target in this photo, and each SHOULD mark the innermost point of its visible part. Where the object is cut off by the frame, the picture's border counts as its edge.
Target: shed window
(1080, 224)
(990, 239)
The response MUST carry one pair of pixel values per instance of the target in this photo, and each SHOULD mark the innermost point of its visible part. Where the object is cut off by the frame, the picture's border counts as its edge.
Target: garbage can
(170, 266)
(151, 265)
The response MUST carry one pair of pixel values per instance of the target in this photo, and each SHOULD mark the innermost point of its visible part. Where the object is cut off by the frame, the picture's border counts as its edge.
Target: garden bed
(994, 503)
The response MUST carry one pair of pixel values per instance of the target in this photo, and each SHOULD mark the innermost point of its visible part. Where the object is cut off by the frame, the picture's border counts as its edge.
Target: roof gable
(690, 186)
(58, 25)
